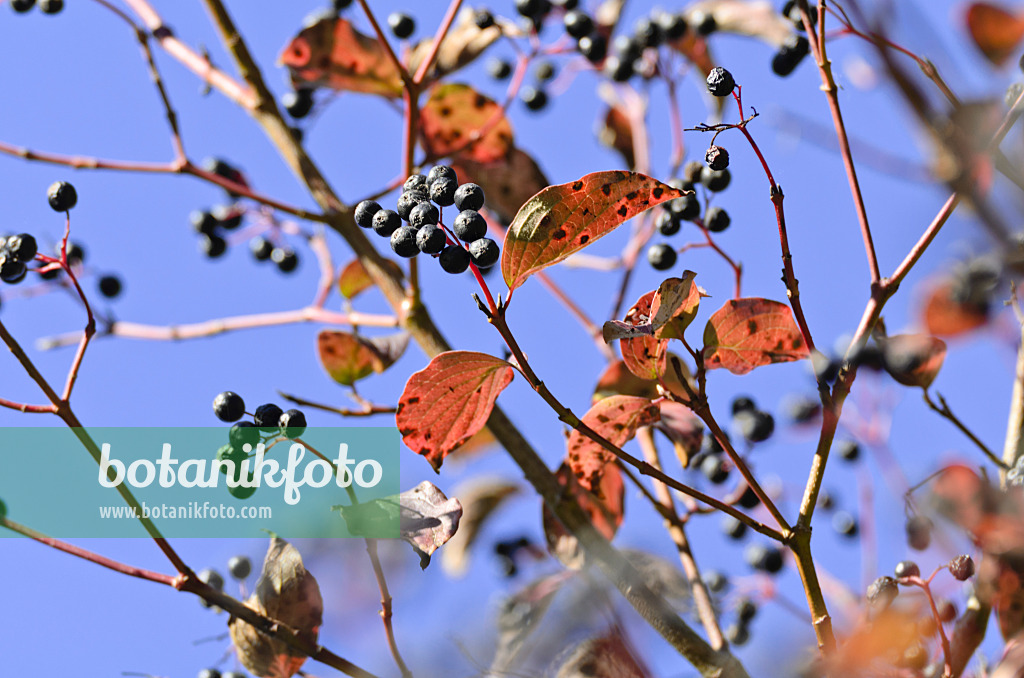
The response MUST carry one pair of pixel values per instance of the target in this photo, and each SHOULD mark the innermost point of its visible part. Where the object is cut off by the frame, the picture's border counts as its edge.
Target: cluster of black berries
(791, 53)
(416, 224)
(240, 567)
(268, 421)
(15, 253)
(45, 6)
(626, 57)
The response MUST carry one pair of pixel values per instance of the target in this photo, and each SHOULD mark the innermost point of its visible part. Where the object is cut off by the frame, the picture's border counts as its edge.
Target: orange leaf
(563, 219)
(995, 31)
(618, 380)
(354, 279)
(946, 316)
(349, 358)
(616, 419)
(913, 359)
(331, 53)
(448, 401)
(454, 113)
(644, 356)
(748, 333)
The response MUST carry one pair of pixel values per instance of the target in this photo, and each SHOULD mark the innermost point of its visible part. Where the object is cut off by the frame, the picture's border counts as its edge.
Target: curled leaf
(285, 592)
(349, 358)
(332, 53)
(913, 359)
(455, 114)
(748, 333)
(616, 419)
(644, 356)
(428, 519)
(448, 401)
(563, 219)
(480, 499)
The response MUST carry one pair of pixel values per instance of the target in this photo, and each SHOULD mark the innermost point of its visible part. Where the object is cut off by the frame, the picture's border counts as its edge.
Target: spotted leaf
(748, 333)
(616, 419)
(458, 118)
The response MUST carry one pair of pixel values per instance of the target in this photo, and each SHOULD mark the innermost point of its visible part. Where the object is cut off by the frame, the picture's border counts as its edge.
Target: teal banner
(196, 482)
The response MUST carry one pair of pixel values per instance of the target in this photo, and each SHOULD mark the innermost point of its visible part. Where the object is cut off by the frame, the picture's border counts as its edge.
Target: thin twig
(944, 411)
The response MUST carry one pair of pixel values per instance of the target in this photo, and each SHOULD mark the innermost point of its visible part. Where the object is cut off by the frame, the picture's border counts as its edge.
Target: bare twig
(943, 410)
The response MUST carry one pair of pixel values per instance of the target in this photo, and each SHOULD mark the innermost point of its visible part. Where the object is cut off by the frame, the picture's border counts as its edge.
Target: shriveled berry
(720, 82)
(298, 103)
(577, 23)
(442, 191)
(203, 222)
(715, 181)
(469, 197)
(61, 196)
(110, 286)
(403, 242)
(717, 219)
(662, 257)
(424, 213)
(286, 260)
(386, 222)
(454, 259)
(962, 567)
(292, 423)
(469, 226)
(845, 524)
(243, 433)
(240, 567)
(499, 69)
(717, 157)
(484, 252)
(882, 592)
(212, 246)
(365, 211)
(267, 417)
(907, 568)
(483, 19)
(228, 406)
(408, 200)
(849, 450)
(534, 98)
(593, 47)
(713, 468)
(401, 25)
(668, 223)
(260, 248)
(441, 172)
(919, 532)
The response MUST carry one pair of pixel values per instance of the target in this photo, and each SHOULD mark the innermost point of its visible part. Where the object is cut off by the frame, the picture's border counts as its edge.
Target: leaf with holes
(748, 333)
(563, 219)
(913, 359)
(331, 53)
(354, 279)
(508, 183)
(996, 31)
(644, 356)
(462, 45)
(448, 401)
(616, 419)
(605, 508)
(454, 115)
(349, 358)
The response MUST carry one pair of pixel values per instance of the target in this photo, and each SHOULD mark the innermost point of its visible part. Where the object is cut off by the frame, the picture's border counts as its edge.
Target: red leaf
(508, 183)
(349, 358)
(945, 316)
(331, 53)
(448, 401)
(607, 656)
(563, 219)
(354, 279)
(618, 380)
(913, 359)
(644, 356)
(748, 333)
(615, 132)
(616, 418)
(605, 509)
(959, 495)
(995, 31)
(454, 114)
(683, 428)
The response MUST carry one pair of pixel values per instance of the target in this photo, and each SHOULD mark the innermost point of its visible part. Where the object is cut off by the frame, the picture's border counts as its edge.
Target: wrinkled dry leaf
(287, 593)
(480, 498)
(428, 519)
(463, 44)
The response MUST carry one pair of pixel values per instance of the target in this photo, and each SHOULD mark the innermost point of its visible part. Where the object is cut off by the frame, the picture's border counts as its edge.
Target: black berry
(12, 271)
(647, 32)
(212, 579)
(431, 239)
(212, 246)
(716, 219)
(225, 170)
(790, 55)
(499, 69)
(715, 581)
(260, 248)
(743, 404)
(731, 527)
(746, 609)
(442, 191)
(228, 216)
(484, 252)
(791, 10)
(110, 286)
(209, 673)
(907, 568)
(62, 196)
(293, 423)
(845, 524)
(715, 181)
(737, 634)
(51, 6)
(298, 103)
(668, 223)
(410, 199)
(919, 532)
(483, 19)
(661, 256)
(764, 558)
(748, 499)
(705, 23)
(545, 71)
(714, 469)
(849, 450)
(686, 208)
(365, 211)
(22, 6)
(454, 259)
(267, 417)
(286, 260)
(691, 172)
(618, 68)
(228, 406)
(469, 197)
(720, 82)
(593, 47)
(402, 25)
(947, 611)
(424, 213)
(534, 98)
(673, 25)
(386, 222)
(577, 23)
(441, 172)
(717, 158)
(469, 226)
(340, 5)
(203, 222)
(243, 433)
(22, 247)
(415, 181)
(756, 426)
(403, 242)
(533, 8)
(240, 567)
